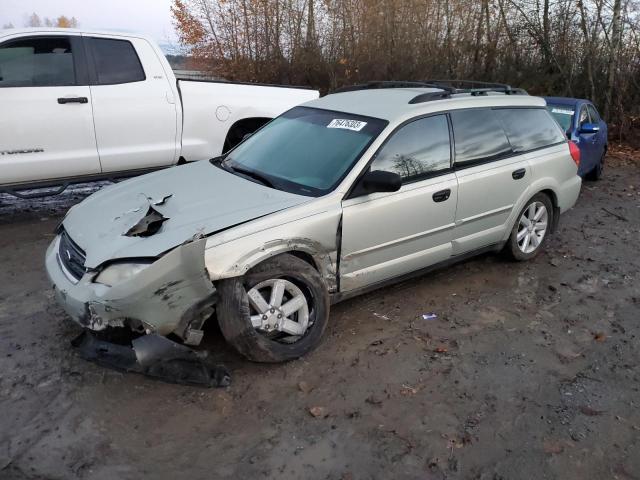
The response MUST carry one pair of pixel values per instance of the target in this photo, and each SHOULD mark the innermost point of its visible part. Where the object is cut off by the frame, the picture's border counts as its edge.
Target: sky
(151, 17)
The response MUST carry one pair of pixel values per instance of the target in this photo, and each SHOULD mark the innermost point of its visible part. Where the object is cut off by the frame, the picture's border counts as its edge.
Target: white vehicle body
(57, 128)
(342, 194)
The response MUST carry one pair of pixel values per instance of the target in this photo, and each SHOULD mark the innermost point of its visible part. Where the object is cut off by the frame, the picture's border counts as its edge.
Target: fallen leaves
(590, 412)
(553, 447)
(319, 412)
(599, 336)
(304, 387)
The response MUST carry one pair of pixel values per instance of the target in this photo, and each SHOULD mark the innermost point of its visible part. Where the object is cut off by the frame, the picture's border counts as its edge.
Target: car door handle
(65, 100)
(442, 195)
(518, 174)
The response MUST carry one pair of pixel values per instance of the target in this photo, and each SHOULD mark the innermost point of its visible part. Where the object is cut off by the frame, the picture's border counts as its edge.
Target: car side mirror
(589, 128)
(381, 181)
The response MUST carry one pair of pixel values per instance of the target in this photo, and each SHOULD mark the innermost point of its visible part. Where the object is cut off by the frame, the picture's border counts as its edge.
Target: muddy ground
(530, 371)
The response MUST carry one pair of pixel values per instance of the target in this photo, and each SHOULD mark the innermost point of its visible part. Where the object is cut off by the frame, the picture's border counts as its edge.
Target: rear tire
(250, 329)
(596, 174)
(531, 228)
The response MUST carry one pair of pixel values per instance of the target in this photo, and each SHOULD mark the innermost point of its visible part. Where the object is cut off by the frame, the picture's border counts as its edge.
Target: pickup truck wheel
(276, 312)
(531, 228)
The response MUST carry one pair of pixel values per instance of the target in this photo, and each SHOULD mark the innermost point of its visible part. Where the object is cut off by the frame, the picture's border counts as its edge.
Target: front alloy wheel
(279, 310)
(276, 312)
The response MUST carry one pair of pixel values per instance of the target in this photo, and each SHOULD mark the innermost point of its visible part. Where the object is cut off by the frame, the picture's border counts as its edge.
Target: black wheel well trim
(255, 122)
(556, 209)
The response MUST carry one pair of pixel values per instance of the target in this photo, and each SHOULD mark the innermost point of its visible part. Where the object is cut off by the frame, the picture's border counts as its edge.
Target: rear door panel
(136, 121)
(486, 196)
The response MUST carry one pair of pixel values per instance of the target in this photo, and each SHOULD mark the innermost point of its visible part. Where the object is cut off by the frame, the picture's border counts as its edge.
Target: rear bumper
(166, 297)
(568, 193)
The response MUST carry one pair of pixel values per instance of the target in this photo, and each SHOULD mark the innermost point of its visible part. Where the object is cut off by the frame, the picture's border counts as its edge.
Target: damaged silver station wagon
(333, 198)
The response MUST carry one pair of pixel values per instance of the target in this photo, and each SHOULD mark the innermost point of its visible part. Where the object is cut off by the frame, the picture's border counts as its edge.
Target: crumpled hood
(195, 199)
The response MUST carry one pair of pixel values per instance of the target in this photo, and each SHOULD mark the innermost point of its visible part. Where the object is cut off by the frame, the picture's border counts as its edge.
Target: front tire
(531, 228)
(276, 312)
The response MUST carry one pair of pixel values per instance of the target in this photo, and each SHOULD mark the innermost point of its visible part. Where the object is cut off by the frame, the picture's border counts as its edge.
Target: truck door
(134, 109)
(46, 124)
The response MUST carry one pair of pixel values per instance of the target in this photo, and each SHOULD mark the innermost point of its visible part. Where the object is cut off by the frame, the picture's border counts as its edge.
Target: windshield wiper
(251, 174)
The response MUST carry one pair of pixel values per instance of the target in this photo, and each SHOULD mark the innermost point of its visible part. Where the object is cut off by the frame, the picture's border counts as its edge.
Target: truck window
(529, 128)
(478, 136)
(116, 61)
(37, 62)
(417, 150)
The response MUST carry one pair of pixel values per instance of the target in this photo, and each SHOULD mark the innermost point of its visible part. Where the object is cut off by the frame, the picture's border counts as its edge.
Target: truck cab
(81, 105)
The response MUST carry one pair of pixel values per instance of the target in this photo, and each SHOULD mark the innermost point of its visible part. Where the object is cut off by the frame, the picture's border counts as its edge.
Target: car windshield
(306, 151)
(563, 115)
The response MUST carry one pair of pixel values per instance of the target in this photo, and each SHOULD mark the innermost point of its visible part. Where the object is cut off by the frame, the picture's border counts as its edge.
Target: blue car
(584, 126)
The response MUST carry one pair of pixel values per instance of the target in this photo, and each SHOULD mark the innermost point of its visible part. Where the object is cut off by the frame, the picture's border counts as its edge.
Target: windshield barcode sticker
(354, 125)
(562, 111)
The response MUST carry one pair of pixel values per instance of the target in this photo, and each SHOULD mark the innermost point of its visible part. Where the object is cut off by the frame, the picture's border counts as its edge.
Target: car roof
(393, 103)
(565, 100)
(70, 31)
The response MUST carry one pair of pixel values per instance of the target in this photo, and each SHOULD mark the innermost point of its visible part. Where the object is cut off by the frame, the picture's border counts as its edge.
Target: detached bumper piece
(155, 356)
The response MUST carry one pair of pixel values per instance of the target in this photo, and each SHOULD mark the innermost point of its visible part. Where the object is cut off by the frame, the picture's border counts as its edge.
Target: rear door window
(37, 62)
(478, 136)
(417, 150)
(529, 128)
(116, 61)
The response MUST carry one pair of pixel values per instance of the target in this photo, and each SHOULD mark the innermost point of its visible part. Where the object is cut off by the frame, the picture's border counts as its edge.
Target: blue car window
(584, 116)
(593, 113)
(563, 115)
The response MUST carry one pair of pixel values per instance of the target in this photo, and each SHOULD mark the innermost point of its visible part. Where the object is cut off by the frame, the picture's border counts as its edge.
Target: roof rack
(389, 84)
(473, 87)
(447, 87)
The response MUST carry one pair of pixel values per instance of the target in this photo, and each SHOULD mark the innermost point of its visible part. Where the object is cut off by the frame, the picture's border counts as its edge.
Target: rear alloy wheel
(531, 228)
(277, 312)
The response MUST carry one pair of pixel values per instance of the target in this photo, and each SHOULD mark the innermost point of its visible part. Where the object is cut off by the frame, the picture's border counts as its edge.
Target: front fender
(315, 236)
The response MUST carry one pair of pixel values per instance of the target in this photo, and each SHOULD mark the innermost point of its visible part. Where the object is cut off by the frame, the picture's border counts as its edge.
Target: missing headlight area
(148, 225)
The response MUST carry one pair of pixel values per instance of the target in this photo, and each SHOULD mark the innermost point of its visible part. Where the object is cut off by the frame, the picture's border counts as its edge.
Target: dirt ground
(531, 370)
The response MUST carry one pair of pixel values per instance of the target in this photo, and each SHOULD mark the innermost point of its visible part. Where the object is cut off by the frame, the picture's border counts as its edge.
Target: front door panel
(391, 234)
(46, 125)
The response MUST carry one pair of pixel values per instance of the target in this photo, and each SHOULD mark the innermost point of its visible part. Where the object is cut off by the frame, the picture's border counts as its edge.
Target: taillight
(575, 152)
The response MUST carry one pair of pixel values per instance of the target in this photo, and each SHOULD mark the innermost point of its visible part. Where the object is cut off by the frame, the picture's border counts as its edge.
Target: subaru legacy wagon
(333, 198)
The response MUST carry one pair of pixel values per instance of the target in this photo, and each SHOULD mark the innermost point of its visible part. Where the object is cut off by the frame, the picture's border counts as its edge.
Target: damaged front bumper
(154, 356)
(172, 295)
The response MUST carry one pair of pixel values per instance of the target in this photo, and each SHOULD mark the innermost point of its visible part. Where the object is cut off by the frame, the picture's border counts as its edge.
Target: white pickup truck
(79, 105)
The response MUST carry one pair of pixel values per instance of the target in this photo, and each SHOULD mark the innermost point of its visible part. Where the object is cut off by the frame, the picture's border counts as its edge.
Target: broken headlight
(119, 272)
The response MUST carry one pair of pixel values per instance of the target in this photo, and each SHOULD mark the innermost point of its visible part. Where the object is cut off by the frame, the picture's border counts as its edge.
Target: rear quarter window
(530, 128)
